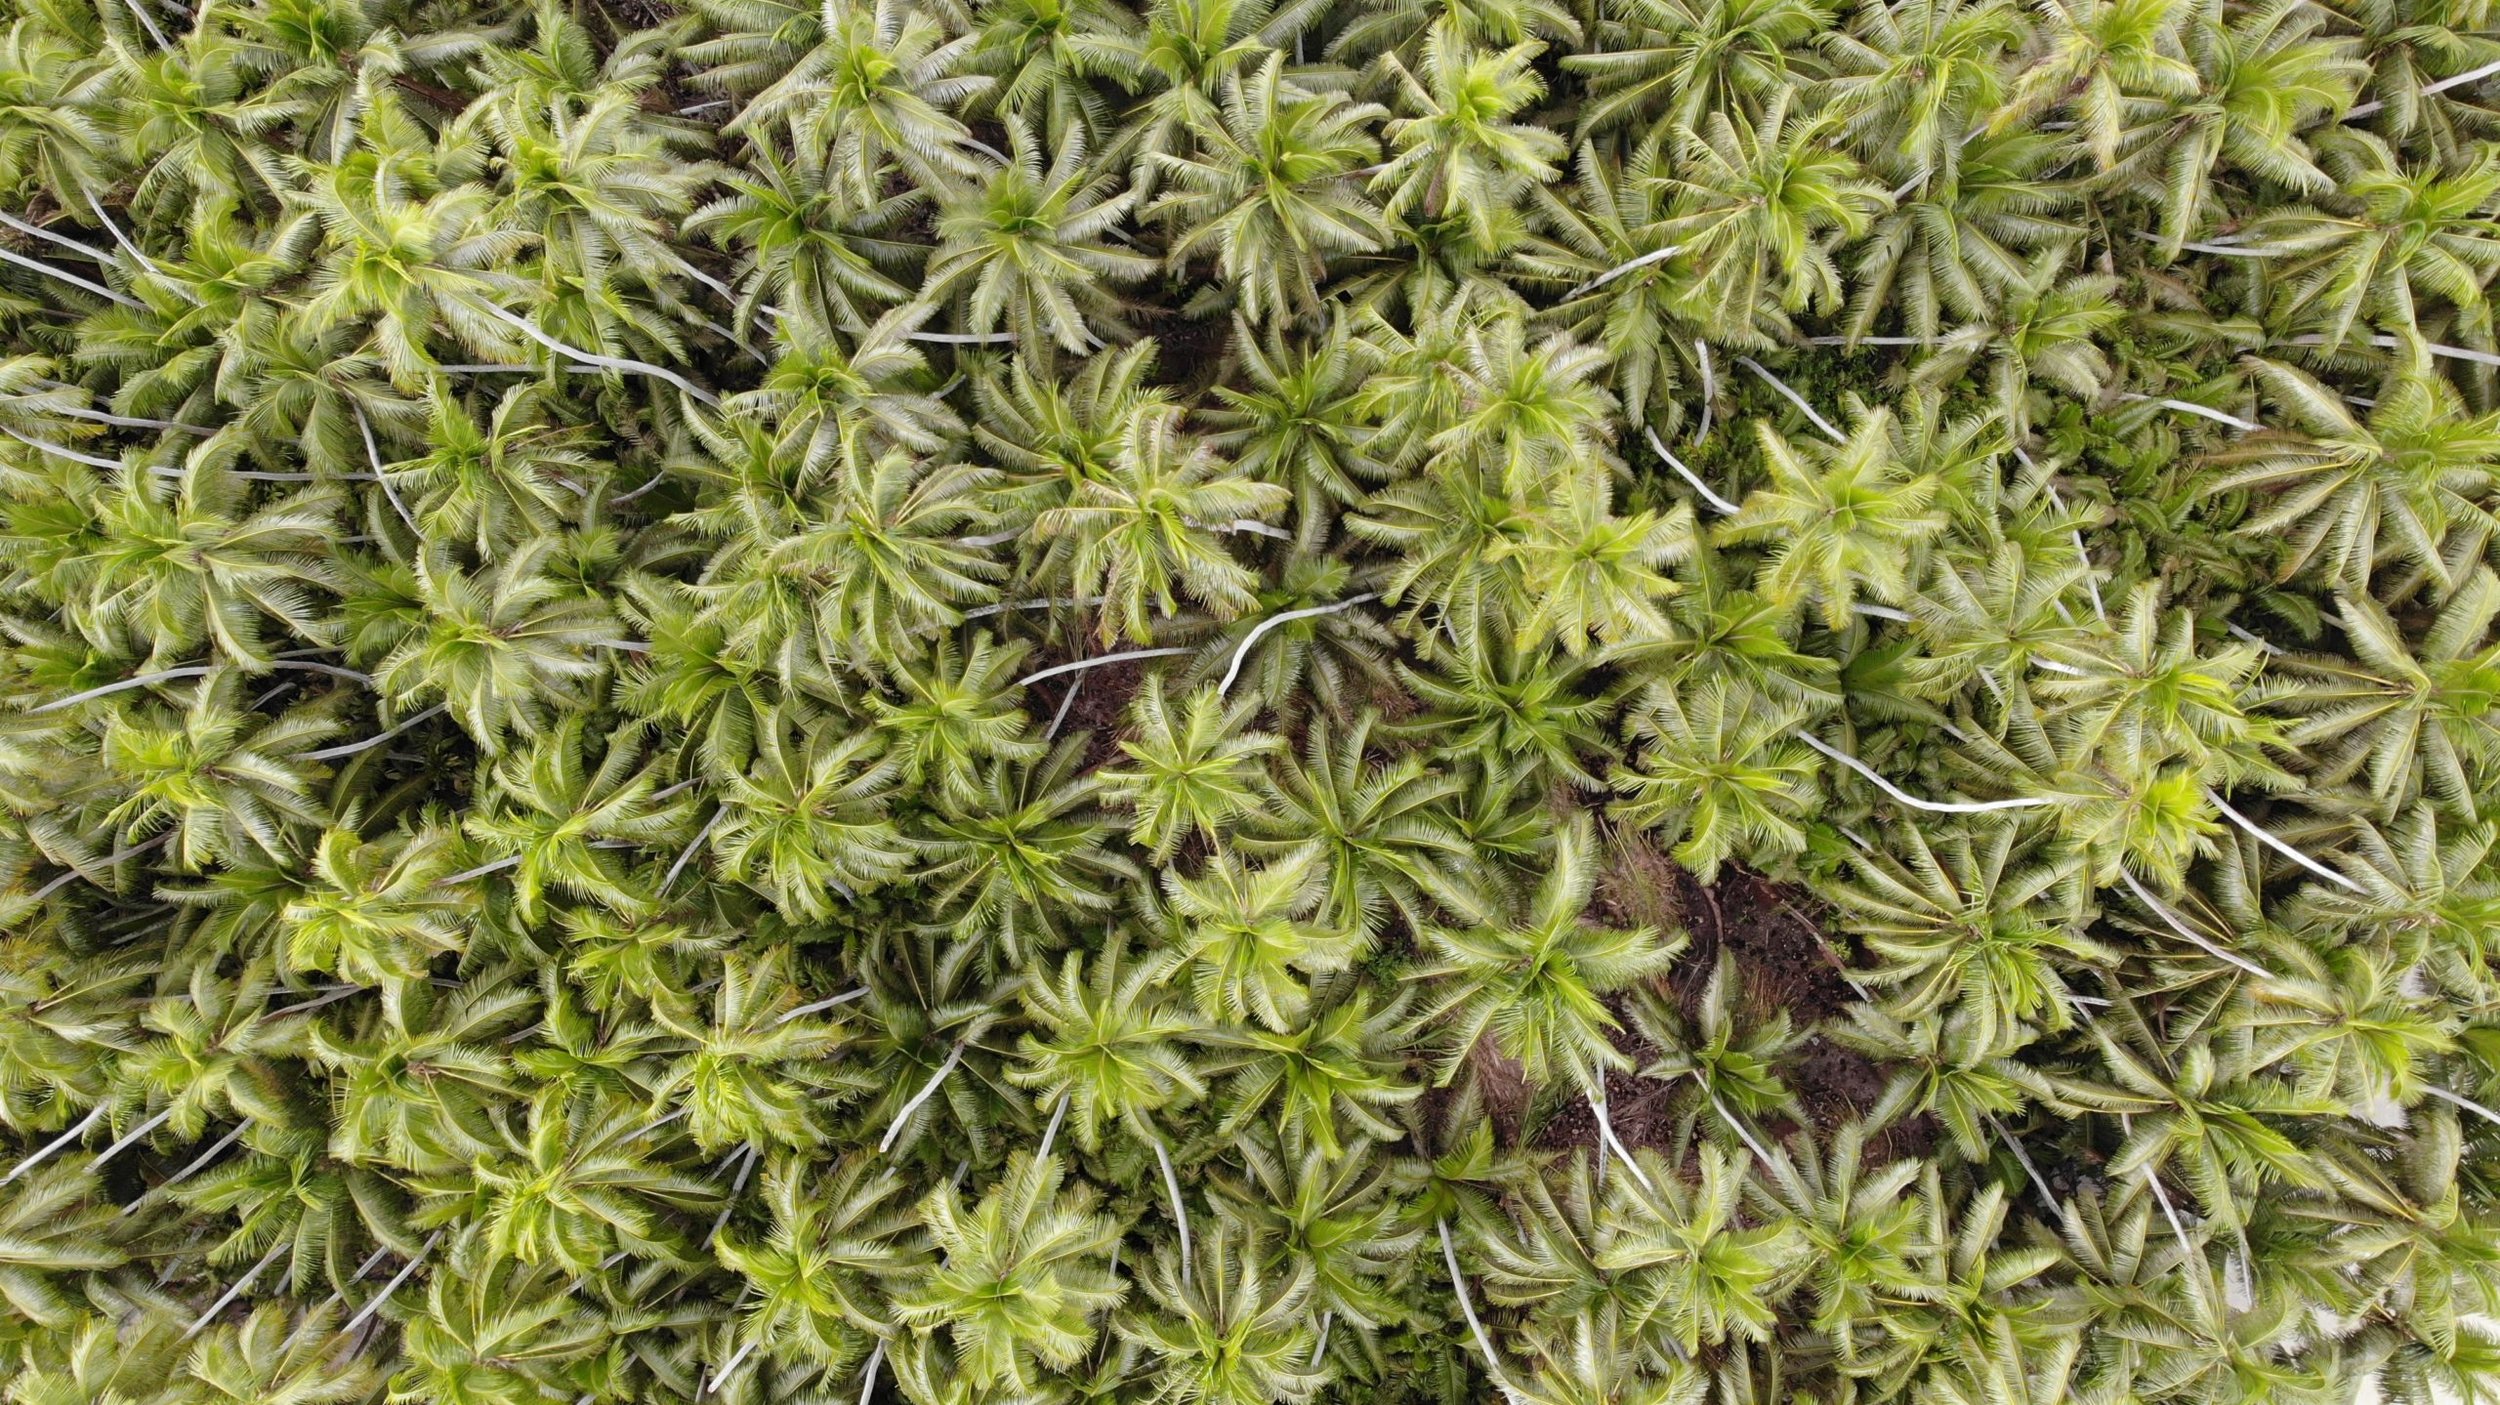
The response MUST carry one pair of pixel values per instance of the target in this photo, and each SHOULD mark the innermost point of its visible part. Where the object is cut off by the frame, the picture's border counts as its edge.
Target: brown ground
(1780, 952)
(1189, 351)
(1784, 963)
(1783, 959)
(1100, 710)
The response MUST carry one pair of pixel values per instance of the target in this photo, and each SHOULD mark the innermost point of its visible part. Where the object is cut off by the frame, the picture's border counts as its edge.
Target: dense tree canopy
(1593, 702)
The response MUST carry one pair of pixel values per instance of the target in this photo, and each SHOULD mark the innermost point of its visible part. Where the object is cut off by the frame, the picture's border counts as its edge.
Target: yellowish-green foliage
(1239, 702)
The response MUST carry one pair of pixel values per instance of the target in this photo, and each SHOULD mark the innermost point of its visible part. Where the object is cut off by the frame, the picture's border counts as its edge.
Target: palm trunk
(1606, 1132)
(1467, 1309)
(391, 1287)
(927, 1091)
(1180, 1210)
(94, 1116)
(1050, 1133)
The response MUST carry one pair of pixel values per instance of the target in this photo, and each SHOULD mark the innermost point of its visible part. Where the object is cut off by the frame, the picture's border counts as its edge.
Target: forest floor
(1777, 933)
(1784, 963)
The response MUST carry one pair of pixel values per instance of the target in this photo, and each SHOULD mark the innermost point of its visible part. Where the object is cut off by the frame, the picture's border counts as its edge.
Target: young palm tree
(2408, 721)
(1942, 1070)
(2261, 79)
(1272, 188)
(1151, 528)
(1300, 421)
(1667, 63)
(1027, 855)
(493, 486)
(2044, 324)
(831, 400)
(1708, 1277)
(2349, 494)
(274, 1354)
(955, 720)
(571, 1196)
(1725, 633)
(1758, 207)
(1339, 1215)
(1332, 1081)
(806, 247)
(1458, 153)
(1039, 54)
(1839, 520)
(648, 752)
(1533, 989)
(1031, 253)
(2199, 1113)
(1972, 923)
(1860, 1224)
(557, 821)
(1530, 411)
(1194, 769)
(873, 88)
(1623, 278)
(808, 822)
(1378, 830)
(392, 266)
(421, 1079)
(1718, 773)
(1233, 1332)
(1951, 247)
(1458, 537)
(218, 777)
(1180, 59)
(1106, 1045)
(1733, 1063)
(2102, 59)
(1247, 941)
(886, 564)
(1915, 76)
(173, 564)
(2393, 241)
(1020, 1277)
(823, 1274)
(492, 1327)
(494, 646)
(1519, 707)
(55, 1226)
(374, 910)
(755, 1072)
(1980, 1310)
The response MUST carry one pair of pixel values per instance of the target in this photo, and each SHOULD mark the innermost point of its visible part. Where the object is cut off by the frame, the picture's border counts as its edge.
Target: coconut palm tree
(491, 644)
(2412, 473)
(1030, 252)
(1231, 1333)
(1759, 204)
(1841, 519)
(1194, 768)
(1271, 191)
(1718, 773)
(1377, 829)
(809, 819)
(823, 1274)
(1020, 1277)
(1531, 990)
(1152, 528)
(1458, 152)
(873, 87)
(1106, 1044)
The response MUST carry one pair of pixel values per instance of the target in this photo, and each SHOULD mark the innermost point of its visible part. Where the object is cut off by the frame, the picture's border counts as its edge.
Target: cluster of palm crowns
(1049, 700)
